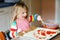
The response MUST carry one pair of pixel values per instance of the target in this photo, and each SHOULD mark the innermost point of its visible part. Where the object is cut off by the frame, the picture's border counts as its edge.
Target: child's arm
(13, 30)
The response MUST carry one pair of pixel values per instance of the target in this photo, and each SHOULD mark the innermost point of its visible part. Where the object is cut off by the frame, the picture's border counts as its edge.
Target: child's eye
(23, 13)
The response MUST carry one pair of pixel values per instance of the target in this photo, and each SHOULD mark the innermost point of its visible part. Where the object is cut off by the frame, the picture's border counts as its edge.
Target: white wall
(57, 15)
(5, 18)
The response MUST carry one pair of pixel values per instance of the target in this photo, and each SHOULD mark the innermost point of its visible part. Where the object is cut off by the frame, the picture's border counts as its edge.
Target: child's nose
(25, 14)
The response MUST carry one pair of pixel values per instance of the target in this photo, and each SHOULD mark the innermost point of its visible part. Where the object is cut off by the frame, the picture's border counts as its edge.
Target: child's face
(21, 12)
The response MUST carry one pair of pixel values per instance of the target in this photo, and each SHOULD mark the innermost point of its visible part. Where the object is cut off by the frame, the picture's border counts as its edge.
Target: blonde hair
(20, 4)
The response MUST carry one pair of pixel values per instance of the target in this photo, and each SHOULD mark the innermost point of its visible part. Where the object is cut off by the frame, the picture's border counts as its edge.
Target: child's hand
(19, 30)
(21, 34)
(30, 29)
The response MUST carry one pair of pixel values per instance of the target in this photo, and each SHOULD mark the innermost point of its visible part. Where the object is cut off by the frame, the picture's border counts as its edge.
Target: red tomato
(53, 32)
(43, 33)
(50, 32)
(38, 31)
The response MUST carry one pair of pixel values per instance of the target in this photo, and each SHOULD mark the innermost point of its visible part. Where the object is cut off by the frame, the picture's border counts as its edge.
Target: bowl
(50, 25)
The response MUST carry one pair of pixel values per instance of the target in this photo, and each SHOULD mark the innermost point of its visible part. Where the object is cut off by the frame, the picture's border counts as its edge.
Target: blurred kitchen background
(48, 9)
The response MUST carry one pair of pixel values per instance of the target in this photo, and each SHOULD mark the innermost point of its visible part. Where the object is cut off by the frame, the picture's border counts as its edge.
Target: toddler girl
(19, 20)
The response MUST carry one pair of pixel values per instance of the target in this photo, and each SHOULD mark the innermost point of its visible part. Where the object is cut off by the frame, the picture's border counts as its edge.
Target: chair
(2, 36)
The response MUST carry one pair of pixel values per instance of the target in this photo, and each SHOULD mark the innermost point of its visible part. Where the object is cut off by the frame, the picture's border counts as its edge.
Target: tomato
(38, 31)
(43, 33)
(50, 32)
(53, 32)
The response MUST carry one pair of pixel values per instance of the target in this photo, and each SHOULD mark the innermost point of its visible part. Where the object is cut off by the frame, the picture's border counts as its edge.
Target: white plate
(30, 34)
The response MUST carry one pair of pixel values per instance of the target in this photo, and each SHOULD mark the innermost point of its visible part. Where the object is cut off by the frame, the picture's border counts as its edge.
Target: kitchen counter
(30, 32)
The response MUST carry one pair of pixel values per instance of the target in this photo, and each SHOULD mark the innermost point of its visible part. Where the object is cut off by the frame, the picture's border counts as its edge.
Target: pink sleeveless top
(23, 24)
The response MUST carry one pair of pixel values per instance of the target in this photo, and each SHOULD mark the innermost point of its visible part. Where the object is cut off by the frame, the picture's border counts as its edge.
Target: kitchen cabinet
(33, 5)
(48, 9)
